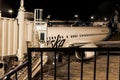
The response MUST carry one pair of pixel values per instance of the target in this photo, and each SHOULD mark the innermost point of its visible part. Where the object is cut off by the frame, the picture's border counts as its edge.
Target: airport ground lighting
(105, 19)
(76, 16)
(92, 17)
(11, 12)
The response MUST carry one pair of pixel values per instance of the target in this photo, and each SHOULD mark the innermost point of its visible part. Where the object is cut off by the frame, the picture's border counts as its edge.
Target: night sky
(64, 9)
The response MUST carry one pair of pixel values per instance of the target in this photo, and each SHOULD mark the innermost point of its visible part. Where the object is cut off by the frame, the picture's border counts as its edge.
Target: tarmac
(88, 70)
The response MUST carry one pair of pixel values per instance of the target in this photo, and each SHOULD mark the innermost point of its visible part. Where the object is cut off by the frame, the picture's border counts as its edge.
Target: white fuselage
(76, 35)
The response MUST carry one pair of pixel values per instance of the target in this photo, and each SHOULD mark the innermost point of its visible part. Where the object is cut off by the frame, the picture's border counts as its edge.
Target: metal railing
(14, 72)
(71, 50)
(67, 51)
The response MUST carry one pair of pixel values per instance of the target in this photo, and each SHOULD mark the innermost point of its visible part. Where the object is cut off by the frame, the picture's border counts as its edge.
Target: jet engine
(86, 54)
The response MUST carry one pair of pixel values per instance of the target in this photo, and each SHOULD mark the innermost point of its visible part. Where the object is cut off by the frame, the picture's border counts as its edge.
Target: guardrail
(8, 75)
(69, 50)
(28, 63)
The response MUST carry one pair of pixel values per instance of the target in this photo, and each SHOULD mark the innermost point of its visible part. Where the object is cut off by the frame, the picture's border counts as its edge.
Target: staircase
(22, 75)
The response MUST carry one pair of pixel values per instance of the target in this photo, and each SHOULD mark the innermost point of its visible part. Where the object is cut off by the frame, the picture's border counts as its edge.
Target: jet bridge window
(42, 36)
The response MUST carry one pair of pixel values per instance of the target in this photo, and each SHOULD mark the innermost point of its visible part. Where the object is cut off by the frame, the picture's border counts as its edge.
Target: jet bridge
(39, 39)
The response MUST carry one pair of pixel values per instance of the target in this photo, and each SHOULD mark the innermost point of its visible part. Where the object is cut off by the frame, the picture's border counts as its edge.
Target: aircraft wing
(77, 44)
(108, 44)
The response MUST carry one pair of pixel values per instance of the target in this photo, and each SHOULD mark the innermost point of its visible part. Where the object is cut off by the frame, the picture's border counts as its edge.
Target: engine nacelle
(87, 54)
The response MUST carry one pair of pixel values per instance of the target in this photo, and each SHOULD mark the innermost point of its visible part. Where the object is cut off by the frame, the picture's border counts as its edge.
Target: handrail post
(16, 76)
(68, 65)
(95, 65)
(82, 64)
(41, 56)
(55, 65)
(107, 70)
(29, 65)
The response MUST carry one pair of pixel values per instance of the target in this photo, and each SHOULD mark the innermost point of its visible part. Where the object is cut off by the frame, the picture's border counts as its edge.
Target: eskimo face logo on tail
(58, 42)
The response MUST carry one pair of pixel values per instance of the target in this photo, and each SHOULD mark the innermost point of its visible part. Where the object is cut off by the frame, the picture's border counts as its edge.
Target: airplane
(81, 37)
